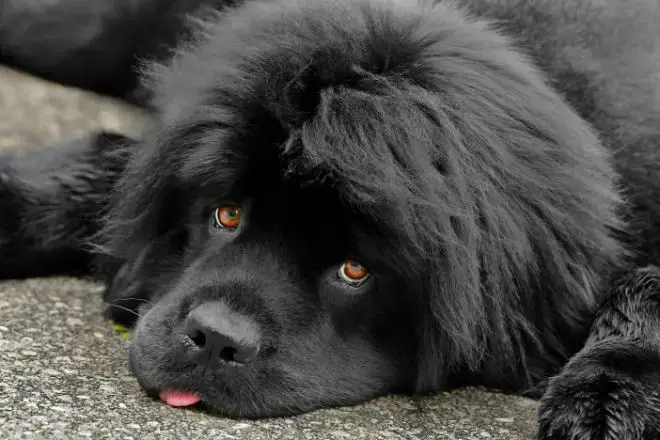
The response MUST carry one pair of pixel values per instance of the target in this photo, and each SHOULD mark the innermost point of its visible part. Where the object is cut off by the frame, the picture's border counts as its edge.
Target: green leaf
(125, 332)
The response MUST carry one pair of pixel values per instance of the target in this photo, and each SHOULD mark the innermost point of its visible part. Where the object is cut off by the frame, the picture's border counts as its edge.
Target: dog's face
(280, 304)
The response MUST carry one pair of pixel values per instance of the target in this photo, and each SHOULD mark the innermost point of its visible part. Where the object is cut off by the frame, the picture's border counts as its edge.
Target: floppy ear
(512, 197)
(139, 245)
(146, 189)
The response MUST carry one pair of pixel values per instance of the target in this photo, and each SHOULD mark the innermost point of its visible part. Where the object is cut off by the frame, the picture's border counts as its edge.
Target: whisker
(123, 308)
(131, 298)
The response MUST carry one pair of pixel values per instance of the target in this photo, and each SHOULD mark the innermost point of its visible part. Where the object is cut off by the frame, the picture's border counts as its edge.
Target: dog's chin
(239, 391)
(224, 390)
(220, 393)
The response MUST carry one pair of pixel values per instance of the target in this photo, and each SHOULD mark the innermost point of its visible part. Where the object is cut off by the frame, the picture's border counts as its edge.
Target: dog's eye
(353, 273)
(227, 217)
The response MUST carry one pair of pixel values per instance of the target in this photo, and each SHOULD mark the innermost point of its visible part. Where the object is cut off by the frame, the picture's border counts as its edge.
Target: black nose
(221, 335)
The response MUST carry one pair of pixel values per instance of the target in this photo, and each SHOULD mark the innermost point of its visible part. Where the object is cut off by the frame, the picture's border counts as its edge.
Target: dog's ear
(524, 224)
(134, 232)
(134, 216)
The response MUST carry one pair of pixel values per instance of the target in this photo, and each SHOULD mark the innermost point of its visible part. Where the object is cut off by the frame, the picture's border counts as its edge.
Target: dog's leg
(94, 44)
(52, 201)
(611, 388)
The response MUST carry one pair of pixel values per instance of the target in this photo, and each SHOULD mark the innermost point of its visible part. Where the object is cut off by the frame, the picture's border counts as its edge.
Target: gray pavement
(63, 370)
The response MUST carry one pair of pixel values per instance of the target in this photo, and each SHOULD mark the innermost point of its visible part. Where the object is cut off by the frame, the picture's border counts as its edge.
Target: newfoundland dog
(344, 199)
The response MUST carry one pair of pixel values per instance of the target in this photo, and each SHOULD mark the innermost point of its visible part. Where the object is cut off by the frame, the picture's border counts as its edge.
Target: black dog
(351, 198)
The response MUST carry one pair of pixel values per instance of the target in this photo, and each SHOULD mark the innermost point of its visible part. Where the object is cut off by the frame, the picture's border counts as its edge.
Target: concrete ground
(63, 370)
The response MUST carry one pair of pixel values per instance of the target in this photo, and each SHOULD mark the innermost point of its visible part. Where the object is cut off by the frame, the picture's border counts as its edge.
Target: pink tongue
(179, 398)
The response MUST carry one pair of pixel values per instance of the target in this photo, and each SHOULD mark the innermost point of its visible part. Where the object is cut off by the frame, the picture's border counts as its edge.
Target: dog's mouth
(179, 398)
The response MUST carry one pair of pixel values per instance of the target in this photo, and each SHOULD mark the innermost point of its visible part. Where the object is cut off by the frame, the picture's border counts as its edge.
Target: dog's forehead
(226, 164)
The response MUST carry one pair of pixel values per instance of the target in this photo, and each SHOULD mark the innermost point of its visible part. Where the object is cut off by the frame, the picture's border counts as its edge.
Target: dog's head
(348, 199)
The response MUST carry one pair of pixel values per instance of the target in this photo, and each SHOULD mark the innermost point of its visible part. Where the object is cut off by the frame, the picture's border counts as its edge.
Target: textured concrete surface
(63, 371)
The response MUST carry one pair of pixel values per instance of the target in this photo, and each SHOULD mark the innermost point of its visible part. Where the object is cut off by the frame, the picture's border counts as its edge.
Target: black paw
(609, 392)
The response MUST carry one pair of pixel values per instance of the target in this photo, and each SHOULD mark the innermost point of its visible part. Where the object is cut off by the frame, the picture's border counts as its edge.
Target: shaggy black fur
(51, 200)
(492, 163)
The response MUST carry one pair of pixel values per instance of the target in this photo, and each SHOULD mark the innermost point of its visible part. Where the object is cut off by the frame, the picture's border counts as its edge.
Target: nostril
(217, 335)
(245, 353)
(228, 354)
(198, 338)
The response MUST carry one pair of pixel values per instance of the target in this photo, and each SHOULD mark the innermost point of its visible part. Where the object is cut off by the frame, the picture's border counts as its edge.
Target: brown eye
(228, 217)
(353, 273)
